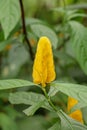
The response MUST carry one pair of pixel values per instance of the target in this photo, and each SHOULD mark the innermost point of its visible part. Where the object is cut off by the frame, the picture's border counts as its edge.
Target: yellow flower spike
(43, 68)
(76, 114)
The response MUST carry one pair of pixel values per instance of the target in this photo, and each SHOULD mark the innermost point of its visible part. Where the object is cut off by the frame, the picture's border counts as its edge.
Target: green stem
(59, 113)
(49, 100)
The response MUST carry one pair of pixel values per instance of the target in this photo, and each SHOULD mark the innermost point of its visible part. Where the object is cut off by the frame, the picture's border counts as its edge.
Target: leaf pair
(29, 98)
(37, 100)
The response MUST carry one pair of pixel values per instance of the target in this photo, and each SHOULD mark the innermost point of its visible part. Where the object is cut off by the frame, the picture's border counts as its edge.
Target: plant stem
(59, 113)
(24, 29)
(49, 100)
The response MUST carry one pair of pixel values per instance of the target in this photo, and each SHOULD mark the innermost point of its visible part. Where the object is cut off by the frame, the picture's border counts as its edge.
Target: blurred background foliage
(15, 60)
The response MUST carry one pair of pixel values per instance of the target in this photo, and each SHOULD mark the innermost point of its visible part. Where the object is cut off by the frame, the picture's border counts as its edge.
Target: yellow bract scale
(43, 68)
(76, 114)
(71, 102)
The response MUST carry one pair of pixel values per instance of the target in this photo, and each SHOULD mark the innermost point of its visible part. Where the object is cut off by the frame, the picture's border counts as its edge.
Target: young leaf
(14, 83)
(9, 15)
(76, 91)
(29, 99)
(79, 43)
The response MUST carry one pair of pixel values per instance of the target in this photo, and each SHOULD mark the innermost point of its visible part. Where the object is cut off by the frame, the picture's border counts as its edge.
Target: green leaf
(79, 43)
(39, 28)
(64, 58)
(77, 6)
(6, 123)
(30, 21)
(14, 83)
(69, 14)
(76, 15)
(84, 113)
(76, 91)
(17, 57)
(65, 124)
(56, 126)
(62, 10)
(59, 9)
(68, 123)
(42, 30)
(3, 6)
(29, 99)
(9, 15)
(32, 109)
(79, 105)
